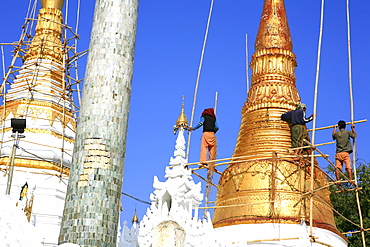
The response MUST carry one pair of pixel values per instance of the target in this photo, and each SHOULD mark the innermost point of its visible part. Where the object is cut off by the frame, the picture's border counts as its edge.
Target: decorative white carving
(177, 199)
(128, 237)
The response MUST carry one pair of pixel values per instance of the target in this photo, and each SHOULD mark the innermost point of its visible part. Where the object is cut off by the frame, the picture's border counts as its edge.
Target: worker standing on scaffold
(297, 119)
(209, 142)
(343, 149)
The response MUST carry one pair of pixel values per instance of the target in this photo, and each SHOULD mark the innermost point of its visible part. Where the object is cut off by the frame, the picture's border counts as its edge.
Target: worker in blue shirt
(297, 119)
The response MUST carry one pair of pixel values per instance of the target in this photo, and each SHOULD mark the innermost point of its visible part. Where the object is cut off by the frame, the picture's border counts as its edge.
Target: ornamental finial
(181, 122)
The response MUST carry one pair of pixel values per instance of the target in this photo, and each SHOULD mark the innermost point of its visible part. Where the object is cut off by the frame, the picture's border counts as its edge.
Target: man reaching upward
(343, 148)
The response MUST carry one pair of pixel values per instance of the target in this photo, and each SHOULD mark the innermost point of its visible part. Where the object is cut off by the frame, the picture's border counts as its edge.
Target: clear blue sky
(169, 41)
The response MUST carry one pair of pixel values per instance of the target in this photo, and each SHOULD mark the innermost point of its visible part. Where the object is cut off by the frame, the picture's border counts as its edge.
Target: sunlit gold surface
(272, 188)
(182, 120)
(135, 219)
(97, 157)
(35, 109)
(57, 4)
(274, 28)
(47, 42)
(39, 164)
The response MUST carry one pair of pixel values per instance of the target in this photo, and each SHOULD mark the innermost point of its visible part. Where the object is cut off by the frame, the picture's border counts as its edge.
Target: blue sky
(168, 47)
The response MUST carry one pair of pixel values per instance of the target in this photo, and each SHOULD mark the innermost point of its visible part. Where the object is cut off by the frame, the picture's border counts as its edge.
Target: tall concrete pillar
(92, 205)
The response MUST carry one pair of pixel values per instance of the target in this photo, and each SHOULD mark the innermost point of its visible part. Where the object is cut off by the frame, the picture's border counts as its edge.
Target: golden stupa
(263, 184)
(39, 92)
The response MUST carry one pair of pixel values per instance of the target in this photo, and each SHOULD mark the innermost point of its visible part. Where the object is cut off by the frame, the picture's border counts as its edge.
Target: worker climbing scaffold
(297, 120)
(343, 149)
(209, 141)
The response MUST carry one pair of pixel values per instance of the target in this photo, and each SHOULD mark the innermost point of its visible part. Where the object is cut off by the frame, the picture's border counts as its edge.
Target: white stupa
(172, 219)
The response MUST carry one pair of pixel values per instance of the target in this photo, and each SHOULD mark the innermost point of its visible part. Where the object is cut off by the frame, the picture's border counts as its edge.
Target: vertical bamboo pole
(247, 63)
(315, 110)
(352, 119)
(198, 76)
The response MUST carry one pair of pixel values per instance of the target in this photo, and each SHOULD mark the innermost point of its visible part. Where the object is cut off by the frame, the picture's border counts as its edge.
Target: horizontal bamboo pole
(65, 149)
(365, 230)
(268, 240)
(316, 145)
(42, 173)
(322, 243)
(237, 205)
(354, 189)
(14, 43)
(341, 181)
(251, 156)
(332, 126)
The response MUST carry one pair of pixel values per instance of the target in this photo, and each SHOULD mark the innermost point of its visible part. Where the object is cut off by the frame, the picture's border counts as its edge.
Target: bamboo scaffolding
(68, 88)
(336, 211)
(311, 192)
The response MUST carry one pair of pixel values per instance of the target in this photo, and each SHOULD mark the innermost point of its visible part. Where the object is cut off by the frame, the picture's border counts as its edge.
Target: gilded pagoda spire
(263, 184)
(274, 29)
(47, 41)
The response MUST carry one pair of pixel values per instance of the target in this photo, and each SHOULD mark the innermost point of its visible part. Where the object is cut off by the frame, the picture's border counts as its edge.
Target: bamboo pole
(336, 211)
(315, 110)
(268, 240)
(317, 145)
(198, 76)
(237, 205)
(45, 145)
(42, 173)
(352, 118)
(357, 188)
(247, 63)
(322, 243)
(327, 161)
(239, 161)
(368, 229)
(4, 100)
(332, 126)
(203, 178)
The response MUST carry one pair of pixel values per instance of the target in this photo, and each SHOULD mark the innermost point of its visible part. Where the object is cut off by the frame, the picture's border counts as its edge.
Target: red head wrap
(209, 111)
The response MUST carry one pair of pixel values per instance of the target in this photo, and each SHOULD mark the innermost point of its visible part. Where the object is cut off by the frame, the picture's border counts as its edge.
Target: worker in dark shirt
(297, 119)
(210, 127)
(343, 148)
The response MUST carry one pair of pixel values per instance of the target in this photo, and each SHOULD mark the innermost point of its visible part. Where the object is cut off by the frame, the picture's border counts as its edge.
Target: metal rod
(11, 170)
